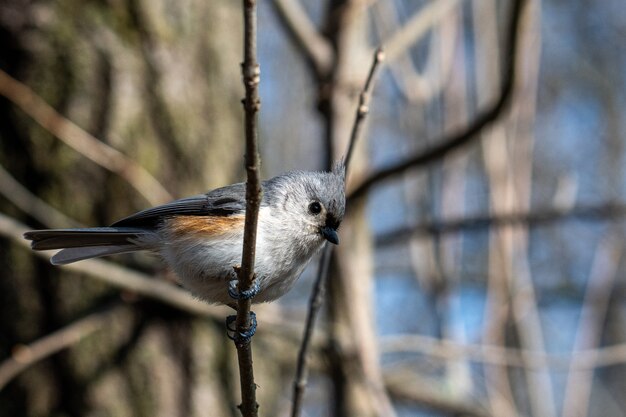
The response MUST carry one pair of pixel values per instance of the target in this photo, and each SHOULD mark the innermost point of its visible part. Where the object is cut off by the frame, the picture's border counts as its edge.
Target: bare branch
(24, 356)
(315, 302)
(464, 137)
(251, 103)
(313, 45)
(363, 108)
(81, 141)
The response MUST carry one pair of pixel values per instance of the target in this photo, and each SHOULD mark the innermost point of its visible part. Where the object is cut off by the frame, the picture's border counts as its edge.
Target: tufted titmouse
(201, 237)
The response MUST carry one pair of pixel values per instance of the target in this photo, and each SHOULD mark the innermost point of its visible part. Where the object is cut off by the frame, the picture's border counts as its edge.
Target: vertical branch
(363, 107)
(507, 152)
(593, 315)
(251, 104)
(315, 302)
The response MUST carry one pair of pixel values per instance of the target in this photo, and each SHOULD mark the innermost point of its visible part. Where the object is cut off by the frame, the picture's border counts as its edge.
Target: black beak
(330, 234)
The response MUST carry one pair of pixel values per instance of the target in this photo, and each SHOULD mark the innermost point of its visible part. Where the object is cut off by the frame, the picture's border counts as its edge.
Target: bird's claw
(241, 338)
(236, 294)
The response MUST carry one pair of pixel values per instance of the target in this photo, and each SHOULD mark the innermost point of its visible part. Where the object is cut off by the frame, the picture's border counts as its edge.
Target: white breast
(205, 265)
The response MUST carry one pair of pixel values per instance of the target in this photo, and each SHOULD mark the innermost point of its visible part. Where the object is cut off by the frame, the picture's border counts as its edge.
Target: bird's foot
(241, 338)
(236, 294)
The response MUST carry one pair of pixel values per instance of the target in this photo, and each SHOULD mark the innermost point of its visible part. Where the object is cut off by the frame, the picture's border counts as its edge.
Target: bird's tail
(79, 244)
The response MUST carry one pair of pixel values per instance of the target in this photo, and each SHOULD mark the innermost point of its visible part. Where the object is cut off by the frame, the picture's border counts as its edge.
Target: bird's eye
(315, 208)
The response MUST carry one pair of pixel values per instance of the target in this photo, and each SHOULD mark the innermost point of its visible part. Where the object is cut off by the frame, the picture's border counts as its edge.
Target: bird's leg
(245, 336)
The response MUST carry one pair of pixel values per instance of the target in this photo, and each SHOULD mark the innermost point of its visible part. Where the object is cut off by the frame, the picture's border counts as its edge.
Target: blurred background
(484, 279)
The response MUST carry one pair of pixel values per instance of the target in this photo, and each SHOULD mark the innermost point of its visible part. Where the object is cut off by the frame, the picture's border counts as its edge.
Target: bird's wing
(225, 201)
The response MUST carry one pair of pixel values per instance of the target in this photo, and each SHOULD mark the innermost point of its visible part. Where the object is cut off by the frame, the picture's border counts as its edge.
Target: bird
(201, 237)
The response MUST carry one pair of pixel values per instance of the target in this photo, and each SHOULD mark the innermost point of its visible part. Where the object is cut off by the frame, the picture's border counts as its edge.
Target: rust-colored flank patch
(204, 225)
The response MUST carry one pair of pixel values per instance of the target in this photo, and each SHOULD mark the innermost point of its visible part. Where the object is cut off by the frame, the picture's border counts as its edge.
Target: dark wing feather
(72, 238)
(223, 201)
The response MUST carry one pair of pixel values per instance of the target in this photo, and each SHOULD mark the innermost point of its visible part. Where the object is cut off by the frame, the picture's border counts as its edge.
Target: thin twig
(456, 140)
(315, 301)
(251, 104)
(81, 141)
(364, 102)
(24, 356)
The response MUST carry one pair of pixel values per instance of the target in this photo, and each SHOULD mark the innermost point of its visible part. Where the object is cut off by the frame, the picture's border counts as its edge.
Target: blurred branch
(503, 356)
(30, 204)
(317, 293)
(603, 274)
(311, 43)
(415, 85)
(23, 356)
(601, 212)
(81, 141)
(251, 103)
(405, 386)
(461, 138)
(417, 27)
(507, 156)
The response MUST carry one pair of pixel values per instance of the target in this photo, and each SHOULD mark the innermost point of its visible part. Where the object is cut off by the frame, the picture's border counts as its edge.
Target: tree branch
(314, 46)
(417, 26)
(24, 356)
(315, 302)
(431, 393)
(251, 103)
(317, 293)
(600, 212)
(30, 204)
(363, 108)
(420, 86)
(467, 135)
(81, 141)
(446, 349)
(600, 284)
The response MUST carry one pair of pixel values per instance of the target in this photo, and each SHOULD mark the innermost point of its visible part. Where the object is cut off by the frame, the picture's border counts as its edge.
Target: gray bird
(201, 237)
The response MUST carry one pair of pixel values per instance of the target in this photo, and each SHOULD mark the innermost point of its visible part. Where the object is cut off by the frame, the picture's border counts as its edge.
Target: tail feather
(73, 238)
(79, 244)
(67, 256)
